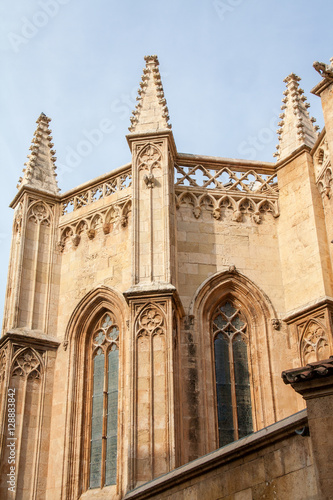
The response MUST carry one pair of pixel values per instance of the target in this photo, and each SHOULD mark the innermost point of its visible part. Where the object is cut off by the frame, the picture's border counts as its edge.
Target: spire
(151, 113)
(296, 126)
(40, 168)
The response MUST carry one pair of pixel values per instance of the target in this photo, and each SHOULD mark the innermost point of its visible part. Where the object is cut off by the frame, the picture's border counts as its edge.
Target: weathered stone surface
(163, 244)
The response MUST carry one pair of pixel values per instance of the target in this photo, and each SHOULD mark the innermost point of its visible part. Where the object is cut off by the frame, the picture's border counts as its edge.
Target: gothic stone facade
(150, 312)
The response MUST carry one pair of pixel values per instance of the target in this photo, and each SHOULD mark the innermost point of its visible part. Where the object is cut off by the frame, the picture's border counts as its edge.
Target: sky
(222, 64)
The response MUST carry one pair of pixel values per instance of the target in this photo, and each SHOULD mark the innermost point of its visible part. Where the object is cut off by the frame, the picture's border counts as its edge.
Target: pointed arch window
(233, 393)
(104, 357)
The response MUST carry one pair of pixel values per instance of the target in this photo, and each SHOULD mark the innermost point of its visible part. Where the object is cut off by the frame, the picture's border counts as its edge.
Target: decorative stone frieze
(221, 204)
(114, 216)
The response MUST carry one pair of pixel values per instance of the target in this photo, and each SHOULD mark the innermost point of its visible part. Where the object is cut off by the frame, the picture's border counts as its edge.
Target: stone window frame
(76, 343)
(245, 333)
(91, 353)
(259, 312)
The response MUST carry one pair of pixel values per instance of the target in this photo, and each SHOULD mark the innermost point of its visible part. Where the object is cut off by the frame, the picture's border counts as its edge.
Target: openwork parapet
(218, 188)
(87, 196)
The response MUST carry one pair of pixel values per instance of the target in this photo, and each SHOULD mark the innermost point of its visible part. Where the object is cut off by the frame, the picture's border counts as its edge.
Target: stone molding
(113, 216)
(235, 451)
(311, 371)
(97, 301)
(116, 182)
(259, 312)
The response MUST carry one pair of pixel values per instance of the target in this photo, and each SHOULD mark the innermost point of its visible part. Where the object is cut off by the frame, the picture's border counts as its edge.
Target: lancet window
(104, 358)
(232, 377)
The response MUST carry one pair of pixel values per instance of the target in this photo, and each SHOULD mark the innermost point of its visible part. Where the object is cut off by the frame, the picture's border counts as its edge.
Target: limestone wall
(96, 251)
(273, 463)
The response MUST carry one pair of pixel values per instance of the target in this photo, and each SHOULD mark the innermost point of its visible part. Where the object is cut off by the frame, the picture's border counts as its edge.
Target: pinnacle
(151, 113)
(296, 126)
(40, 167)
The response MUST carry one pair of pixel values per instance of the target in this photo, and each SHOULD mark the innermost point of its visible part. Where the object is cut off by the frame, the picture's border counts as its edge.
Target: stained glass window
(104, 411)
(233, 394)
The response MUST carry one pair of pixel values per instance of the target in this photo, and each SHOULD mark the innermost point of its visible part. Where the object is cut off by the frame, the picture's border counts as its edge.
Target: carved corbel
(76, 240)
(149, 180)
(217, 213)
(61, 246)
(106, 227)
(256, 217)
(276, 323)
(197, 212)
(237, 216)
(123, 220)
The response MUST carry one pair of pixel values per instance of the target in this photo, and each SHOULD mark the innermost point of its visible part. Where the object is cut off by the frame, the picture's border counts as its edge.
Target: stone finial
(151, 113)
(39, 171)
(297, 127)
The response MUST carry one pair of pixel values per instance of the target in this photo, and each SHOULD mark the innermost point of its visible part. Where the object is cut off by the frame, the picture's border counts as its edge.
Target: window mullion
(233, 389)
(105, 417)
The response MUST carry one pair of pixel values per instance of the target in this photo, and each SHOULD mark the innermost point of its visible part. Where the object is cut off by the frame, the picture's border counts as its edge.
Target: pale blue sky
(222, 63)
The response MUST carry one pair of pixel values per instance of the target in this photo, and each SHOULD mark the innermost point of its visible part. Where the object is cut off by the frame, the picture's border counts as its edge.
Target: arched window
(233, 394)
(104, 359)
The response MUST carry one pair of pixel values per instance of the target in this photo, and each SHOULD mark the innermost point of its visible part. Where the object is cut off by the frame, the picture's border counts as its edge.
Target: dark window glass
(112, 419)
(104, 413)
(234, 409)
(242, 383)
(97, 421)
(223, 390)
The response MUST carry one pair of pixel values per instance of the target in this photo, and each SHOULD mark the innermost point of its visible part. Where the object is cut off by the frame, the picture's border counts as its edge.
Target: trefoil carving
(151, 321)
(149, 158)
(27, 363)
(39, 214)
(314, 345)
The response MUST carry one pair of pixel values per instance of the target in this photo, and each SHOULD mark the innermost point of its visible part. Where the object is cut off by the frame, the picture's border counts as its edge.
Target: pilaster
(154, 307)
(304, 251)
(154, 423)
(154, 254)
(32, 278)
(315, 383)
(26, 376)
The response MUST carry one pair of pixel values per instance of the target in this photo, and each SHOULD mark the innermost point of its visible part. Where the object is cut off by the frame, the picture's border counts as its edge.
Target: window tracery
(232, 377)
(104, 402)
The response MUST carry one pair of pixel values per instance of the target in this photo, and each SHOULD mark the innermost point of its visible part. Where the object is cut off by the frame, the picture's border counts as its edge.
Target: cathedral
(151, 311)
